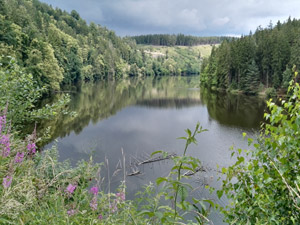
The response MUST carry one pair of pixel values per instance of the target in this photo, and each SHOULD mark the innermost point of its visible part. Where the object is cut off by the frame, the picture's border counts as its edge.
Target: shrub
(263, 184)
(21, 93)
(271, 92)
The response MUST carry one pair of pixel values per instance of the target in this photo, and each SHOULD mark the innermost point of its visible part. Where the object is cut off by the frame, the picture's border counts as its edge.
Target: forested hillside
(265, 58)
(57, 47)
(179, 39)
(60, 48)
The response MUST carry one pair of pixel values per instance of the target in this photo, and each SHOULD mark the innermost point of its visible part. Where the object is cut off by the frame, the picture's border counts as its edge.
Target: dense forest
(265, 58)
(179, 39)
(60, 48)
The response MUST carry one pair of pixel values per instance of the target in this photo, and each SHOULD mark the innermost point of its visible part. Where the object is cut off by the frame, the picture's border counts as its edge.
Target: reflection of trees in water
(234, 110)
(169, 103)
(94, 102)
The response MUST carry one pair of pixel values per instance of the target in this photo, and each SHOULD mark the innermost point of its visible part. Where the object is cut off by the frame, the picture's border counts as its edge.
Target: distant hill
(179, 40)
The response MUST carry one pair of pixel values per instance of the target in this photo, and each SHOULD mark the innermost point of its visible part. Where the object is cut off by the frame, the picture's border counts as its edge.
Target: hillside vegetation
(60, 48)
(265, 58)
(175, 59)
(178, 40)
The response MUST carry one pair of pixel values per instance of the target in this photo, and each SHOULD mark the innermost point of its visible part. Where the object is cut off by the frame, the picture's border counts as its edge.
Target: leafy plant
(263, 184)
(176, 190)
(20, 92)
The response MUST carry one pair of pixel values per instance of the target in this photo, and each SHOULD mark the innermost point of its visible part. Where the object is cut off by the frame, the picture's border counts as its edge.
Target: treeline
(60, 48)
(262, 59)
(57, 47)
(179, 39)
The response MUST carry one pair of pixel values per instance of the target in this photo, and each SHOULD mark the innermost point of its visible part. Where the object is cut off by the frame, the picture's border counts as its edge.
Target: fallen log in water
(134, 173)
(191, 173)
(156, 159)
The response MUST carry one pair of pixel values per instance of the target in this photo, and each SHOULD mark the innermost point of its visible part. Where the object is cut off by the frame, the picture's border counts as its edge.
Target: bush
(263, 184)
(20, 92)
(271, 92)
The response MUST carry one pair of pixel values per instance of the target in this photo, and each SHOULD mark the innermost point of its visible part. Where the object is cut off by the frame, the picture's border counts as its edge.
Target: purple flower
(7, 181)
(94, 190)
(93, 203)
(19, 157)
(121, 195)
(113, 207)
(100, 217)
(71, 212)
(71, 188)
(2, 122)
(5, 142)
(31, 147)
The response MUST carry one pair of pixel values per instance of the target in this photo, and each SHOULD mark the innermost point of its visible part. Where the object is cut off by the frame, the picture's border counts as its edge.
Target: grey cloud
(197, 17)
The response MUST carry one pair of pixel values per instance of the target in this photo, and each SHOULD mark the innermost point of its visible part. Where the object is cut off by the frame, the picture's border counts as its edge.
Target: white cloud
(221, 21)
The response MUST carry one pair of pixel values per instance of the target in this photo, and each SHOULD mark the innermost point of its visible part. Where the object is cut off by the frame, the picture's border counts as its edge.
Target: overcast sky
(195, 17)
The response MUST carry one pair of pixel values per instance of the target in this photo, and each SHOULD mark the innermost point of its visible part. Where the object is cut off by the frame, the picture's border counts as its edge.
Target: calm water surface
(143, 115)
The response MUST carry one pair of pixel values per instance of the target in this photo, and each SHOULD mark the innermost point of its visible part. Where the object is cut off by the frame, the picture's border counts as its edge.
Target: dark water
(143, 115)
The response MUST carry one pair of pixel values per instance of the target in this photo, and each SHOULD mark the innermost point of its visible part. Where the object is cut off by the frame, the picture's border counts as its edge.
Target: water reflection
(234, 110)
(95, 102)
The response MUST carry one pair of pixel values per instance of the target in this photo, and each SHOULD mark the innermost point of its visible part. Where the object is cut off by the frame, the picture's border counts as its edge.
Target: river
(143, 115)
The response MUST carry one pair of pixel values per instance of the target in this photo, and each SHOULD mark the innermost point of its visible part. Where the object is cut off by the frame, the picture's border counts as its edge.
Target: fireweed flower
(7, 181)
(2, 122)
(113, 207)
(71, 212)
(5, 142)
(31, 147)
(19, 157)
(93, 203)
(94, 190)
(71, 188)
(121, 196)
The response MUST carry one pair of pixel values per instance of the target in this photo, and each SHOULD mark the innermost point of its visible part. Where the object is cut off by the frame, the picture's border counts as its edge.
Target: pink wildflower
(19, 157)
(94, 190)
(113, 207)
(7, 181)
(71, 188)
(93, 203)
(71, 212)
(2, 122)
(121, 196)
(31, 147)
(100, 217)
(5, 142)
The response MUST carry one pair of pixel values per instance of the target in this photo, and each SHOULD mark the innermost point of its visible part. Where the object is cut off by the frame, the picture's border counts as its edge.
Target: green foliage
(271, 92)
(259, 58)
(60, 48)
(179, 39)
(176, 190)
(286, 78)
(263, 184)
(21, 93)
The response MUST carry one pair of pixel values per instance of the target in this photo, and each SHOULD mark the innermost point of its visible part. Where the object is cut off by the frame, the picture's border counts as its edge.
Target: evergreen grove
(262, 59)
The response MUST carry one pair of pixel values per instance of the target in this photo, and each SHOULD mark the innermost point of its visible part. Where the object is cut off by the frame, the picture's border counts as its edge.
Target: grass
(174, 51)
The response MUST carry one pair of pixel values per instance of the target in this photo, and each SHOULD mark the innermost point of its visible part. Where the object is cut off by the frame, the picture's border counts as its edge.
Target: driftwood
(134, 173)
(156, 159)
(134, 165)
(191, 173)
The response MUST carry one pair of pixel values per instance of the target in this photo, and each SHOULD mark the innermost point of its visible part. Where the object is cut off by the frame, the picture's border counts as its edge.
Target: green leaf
(159, 180)
(224, 170)
(156, 152)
